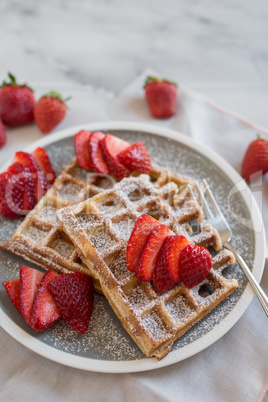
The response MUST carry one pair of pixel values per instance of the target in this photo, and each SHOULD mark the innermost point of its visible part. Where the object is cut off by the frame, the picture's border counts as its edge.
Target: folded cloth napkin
(232, 369)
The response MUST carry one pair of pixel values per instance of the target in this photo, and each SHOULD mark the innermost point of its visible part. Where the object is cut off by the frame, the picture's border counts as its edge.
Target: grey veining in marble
(218, 47)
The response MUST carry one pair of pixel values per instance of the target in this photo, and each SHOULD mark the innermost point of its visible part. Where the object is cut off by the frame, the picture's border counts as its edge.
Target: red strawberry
(140, 233)
(42, 158)
(16, 191)
(111, 146)
(3, 136)
(44, 311)
(148, 257)
(29, 281)
(49, 111)
(136, 157)
(95, 154)
(13, 291)
(20, 193)
(161, 96)
(167, 270)
(255, 161)
(195, 263)
(81, 140)
(16, 103)
(41, 183)
(74, 294)
(5, 209)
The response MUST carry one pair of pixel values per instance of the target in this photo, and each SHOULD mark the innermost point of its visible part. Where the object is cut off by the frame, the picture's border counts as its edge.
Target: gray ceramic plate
(107, 347)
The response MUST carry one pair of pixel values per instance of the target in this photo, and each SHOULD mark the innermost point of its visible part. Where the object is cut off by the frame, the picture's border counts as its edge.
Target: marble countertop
(219, 48)
(96, 48)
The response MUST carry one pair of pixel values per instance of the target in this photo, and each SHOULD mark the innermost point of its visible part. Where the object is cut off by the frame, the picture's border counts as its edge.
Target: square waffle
(40, 238)
(100, 228)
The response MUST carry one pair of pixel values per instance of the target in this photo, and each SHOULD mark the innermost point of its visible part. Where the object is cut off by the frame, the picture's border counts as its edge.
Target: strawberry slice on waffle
(111, 146)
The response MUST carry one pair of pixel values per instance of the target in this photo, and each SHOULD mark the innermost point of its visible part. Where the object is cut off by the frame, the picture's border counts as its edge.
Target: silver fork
(218, 221)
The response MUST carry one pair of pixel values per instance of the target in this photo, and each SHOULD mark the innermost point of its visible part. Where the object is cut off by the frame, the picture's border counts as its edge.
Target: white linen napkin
(232, 369)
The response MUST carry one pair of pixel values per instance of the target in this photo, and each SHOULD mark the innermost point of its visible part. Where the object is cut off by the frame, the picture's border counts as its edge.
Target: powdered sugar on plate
(106, 339)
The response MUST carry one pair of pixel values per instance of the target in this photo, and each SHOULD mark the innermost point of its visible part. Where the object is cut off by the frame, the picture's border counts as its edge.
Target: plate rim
(145, 364)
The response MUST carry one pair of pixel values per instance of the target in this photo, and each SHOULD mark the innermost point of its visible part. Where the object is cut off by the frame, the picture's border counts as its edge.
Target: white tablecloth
(232, 369)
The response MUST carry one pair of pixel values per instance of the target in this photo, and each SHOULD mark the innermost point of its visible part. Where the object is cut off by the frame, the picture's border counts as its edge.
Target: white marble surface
(91, 50)
(219, 48)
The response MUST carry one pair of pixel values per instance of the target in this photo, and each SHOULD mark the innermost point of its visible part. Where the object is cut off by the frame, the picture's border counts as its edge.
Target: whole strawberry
(49, 111)
(16, 103)
(3, 136)
(255, 161)
(161, 96)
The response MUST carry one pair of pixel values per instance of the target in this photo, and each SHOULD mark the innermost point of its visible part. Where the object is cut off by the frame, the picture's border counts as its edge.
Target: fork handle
(256, 287)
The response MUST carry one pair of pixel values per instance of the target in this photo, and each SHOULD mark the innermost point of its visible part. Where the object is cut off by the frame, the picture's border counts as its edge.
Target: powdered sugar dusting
(154, 324)
(179, 308)
(106, 338)
(63, 248)
(35, 234)
(118, 266)
(102, 240)
(124, 227)
(69, 191)
(48, 212)
(137, 297)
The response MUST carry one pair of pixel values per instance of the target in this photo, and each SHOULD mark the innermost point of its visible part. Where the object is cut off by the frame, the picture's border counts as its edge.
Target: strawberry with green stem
(161, 96)
(49, 111)
(16, 103)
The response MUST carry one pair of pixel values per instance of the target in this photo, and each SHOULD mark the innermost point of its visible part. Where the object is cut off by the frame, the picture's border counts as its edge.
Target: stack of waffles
(83, 224)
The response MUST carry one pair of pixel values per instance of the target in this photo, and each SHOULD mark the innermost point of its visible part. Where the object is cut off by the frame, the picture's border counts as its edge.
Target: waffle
(100, 228)
(40, 239)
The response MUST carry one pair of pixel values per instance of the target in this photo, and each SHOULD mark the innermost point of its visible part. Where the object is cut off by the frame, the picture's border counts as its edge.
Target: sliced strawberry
(148, 257)
(95, 155)
(42, 158)
(3, 136)
(139, 235)
(5, 209)
(74, 295)
(136, 157)
(111, 146)
(41, 183)
(195, 263)
(29, 281)
(44, 311)
(13, 291)
(167, 270)
(81, 140)
(20, 191)
(16, 191)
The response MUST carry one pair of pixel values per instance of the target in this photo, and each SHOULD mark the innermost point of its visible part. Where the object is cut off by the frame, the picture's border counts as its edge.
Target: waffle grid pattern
(41, 240)
(100, 228)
